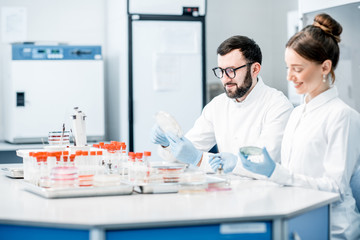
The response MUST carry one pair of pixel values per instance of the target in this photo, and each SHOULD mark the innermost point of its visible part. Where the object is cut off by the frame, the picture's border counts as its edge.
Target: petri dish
(250, 150)
(167, 123)
(252, 153)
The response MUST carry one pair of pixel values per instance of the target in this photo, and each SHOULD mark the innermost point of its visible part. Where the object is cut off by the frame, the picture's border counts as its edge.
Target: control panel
(55, 52)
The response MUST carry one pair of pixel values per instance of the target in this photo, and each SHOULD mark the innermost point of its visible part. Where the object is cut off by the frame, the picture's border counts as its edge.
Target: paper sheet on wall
(166, 71)
(13, 24)
(180, 40)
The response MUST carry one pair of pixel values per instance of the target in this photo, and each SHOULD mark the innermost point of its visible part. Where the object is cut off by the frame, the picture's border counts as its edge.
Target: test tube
(51, 160)
(124, 160)
(85, 159)
(37, 172)
(44, 172)
(72, 160)
(78, 160)
(131, 162)
(100, 166)
(65, 158)
(93, 161)
(147, 156)
(140, 168)
(27, 161)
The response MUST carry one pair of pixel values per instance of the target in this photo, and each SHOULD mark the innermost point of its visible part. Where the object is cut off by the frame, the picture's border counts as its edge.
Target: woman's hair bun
(328, 25)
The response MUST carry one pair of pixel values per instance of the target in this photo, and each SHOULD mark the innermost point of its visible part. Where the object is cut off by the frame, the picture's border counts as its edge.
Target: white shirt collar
(321, 99)
(254, 94)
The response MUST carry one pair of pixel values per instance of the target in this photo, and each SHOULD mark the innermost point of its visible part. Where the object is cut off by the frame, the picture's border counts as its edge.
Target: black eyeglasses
(230, 72)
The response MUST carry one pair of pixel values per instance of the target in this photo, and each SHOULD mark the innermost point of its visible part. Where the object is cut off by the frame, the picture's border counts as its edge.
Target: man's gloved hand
(265, 168)
(228, 160)
(158, 136)
(183, 150)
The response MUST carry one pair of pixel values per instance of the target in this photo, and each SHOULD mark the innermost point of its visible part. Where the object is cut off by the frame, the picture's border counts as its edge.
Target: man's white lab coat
(259, 120)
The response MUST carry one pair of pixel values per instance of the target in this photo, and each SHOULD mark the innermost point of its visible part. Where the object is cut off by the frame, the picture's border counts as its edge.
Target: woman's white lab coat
(320, 150)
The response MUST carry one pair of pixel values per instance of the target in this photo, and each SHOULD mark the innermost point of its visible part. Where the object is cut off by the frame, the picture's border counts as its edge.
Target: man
(249, 113)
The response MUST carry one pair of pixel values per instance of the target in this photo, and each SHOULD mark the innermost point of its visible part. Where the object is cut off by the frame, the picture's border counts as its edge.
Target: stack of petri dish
(64, 177)
(169, 171)
(59, 138)
(107, 180)
(86, 180)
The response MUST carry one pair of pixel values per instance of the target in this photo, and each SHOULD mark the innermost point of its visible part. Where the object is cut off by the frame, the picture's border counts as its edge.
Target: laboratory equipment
(42, 84)
(64, 172)
(79, 128)
(167, 48)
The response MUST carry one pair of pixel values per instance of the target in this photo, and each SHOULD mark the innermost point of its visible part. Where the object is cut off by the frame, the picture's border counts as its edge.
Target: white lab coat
(259, 120)
(320, 150)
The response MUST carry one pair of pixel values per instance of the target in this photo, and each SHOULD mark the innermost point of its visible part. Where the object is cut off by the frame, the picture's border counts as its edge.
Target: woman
(320, 146)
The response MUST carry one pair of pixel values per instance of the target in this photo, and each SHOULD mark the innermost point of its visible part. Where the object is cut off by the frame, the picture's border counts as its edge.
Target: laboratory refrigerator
(166, 66)
(42, 85)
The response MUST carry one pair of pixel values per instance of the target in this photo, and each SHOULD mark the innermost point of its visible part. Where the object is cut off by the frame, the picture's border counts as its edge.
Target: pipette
(62, 134)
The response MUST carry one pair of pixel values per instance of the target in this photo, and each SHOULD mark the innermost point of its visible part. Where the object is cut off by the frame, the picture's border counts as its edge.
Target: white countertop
(248, 200)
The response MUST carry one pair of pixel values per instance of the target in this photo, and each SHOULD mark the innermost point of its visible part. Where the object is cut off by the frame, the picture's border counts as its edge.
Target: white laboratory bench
(253, 209)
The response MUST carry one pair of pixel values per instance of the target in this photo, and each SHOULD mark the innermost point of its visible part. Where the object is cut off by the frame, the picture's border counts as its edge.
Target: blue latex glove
(228, 160)
(215, 162)
(158, 136)
(265, 168)
(183, 150)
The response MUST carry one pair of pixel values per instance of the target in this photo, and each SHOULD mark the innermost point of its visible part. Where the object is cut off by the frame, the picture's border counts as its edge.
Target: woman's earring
(324, 78)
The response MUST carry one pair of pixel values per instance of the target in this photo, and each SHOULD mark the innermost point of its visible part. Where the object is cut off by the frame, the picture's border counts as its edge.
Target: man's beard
(242, 90)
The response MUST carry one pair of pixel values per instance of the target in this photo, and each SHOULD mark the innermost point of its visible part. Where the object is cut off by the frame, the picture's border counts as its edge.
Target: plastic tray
(158, 188)
(13, 172)
(122, 189)
(175, 187)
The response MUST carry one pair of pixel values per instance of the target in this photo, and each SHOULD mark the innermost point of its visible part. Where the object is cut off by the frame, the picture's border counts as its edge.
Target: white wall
(117, 69)
(262, 20)
(306, 6)
(73, 22)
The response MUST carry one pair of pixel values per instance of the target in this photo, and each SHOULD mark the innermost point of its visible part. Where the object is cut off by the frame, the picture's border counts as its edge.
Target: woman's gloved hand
(158, 136)
(228, 161)
(265, 168)
(183, 150)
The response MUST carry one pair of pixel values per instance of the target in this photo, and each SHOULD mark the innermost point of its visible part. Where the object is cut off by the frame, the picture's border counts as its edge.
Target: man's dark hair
(246, 46)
